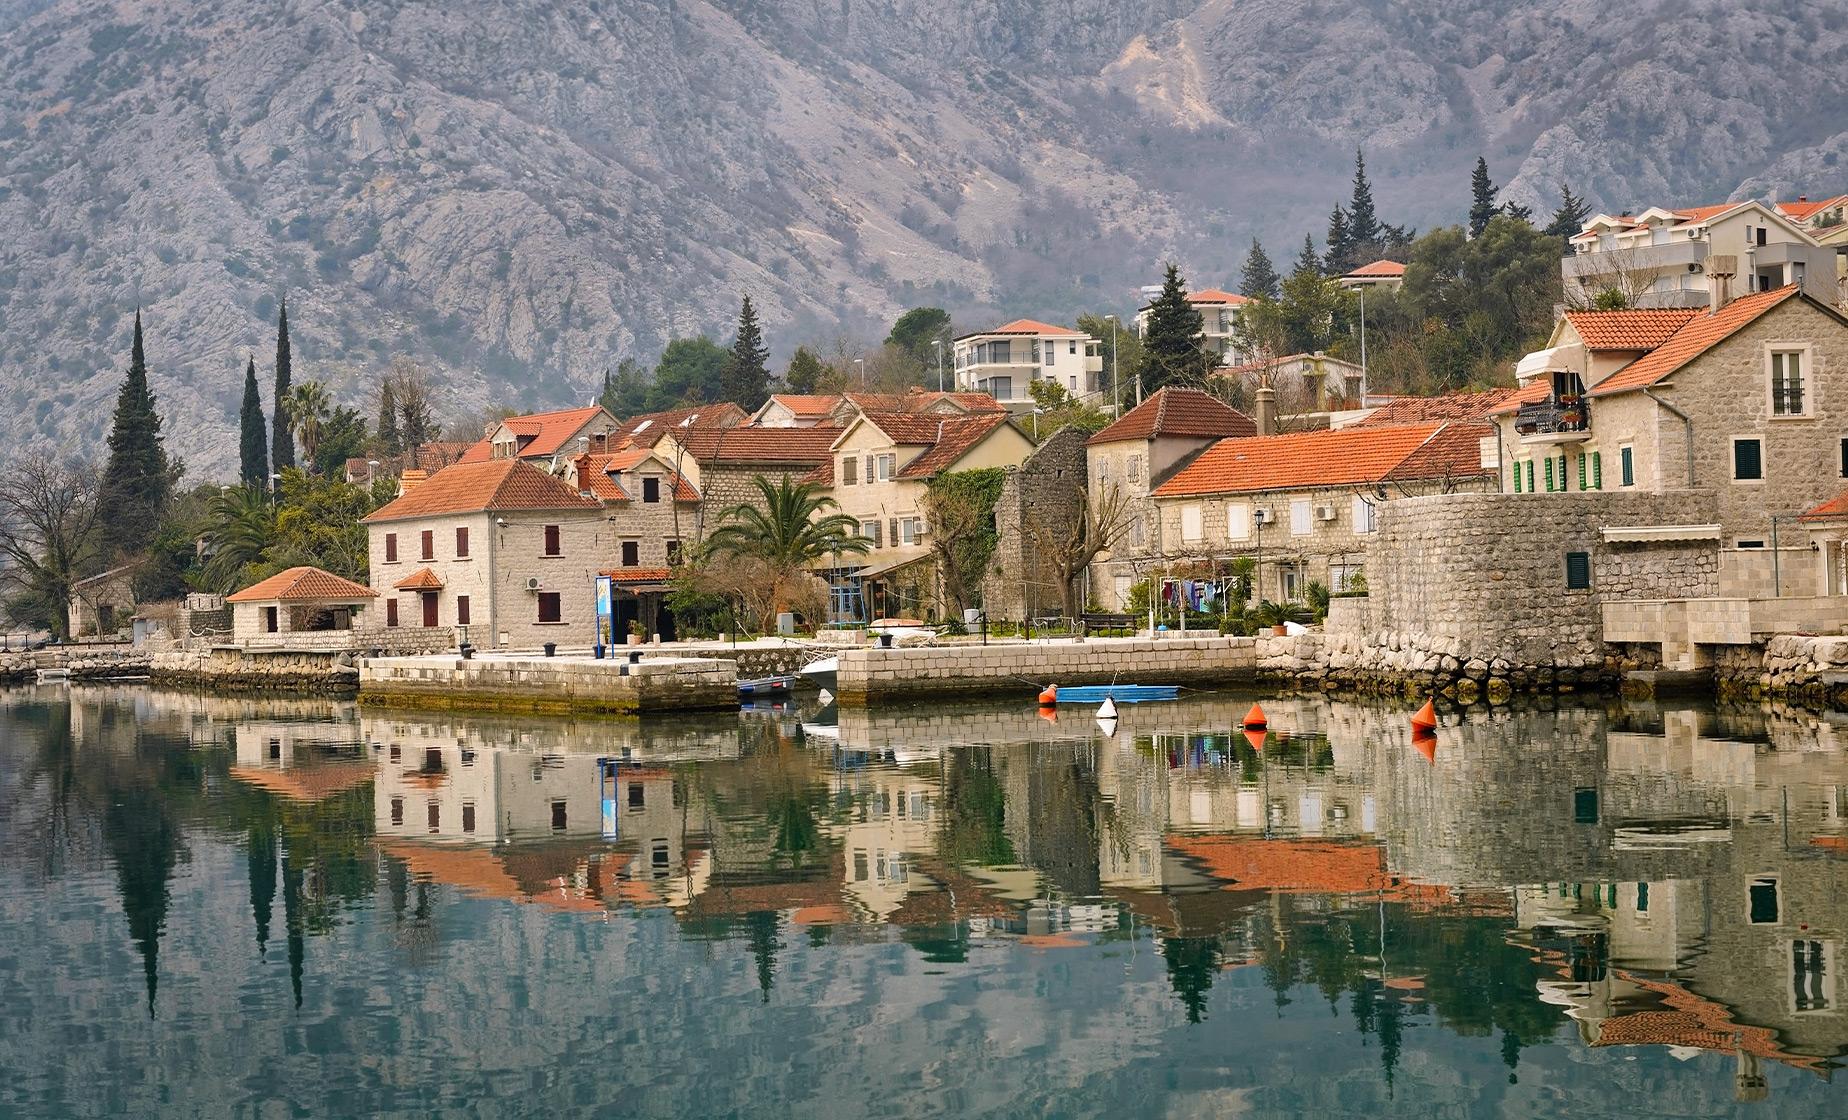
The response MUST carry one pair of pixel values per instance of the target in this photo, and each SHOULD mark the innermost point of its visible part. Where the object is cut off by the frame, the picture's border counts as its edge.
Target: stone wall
(225, 669)
(1023, 668)
(1043, 491)
(550, 684)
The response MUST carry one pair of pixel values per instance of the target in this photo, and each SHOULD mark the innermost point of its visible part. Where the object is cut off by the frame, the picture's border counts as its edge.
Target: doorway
(429, 608)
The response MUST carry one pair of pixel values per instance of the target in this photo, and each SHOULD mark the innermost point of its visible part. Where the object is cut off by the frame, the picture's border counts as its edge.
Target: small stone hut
(299, 600)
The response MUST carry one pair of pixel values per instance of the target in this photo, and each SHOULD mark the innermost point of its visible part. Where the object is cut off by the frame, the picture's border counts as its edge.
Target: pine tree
(282, 434)
(1260, 279)
(1340, 244)
(1482, 198)
(1307, 263)
(1174, 342)
(805, 371)
(389, 440)
(746, 379)
(139, 479)
(253, 443)
(1571, 215)
(1363, 221)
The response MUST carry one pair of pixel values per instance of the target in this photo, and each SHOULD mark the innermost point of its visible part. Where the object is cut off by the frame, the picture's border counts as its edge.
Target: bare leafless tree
(50, 534)
(411, 390)
(1069, 546)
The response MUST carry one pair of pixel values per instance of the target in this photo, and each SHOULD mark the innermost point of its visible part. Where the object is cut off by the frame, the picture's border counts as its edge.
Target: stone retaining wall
(549, 684)
(224, 669)
(762, 662)
(82, 663)
(1811, 670)
(869, 675)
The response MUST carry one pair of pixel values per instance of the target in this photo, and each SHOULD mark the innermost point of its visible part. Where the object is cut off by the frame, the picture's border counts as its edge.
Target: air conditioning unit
(1261, 517)
(1325, 513)
(923, 529)
(533, 584)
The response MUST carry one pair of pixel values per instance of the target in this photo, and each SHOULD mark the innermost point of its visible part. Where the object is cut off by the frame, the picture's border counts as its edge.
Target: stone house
(795, 410)
(500, 547)
(542, 437)
(652, 511)
(300, 601)
(1748, 401)
(1128, 459)
(787, 410)
(878, 473)
(1046, 490)
(1306, 386)
(1304, 506)
(723, 464)
(102, 604)
(647, 428)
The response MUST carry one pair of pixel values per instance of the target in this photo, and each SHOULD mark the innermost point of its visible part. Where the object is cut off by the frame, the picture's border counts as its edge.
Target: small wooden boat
(1121, 693)
(766, 686)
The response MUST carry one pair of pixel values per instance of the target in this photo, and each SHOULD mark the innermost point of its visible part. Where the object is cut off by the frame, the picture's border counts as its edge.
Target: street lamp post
(937, 344)
(1116, 387)
(372, 468)
(1363, 345)
(861, 362)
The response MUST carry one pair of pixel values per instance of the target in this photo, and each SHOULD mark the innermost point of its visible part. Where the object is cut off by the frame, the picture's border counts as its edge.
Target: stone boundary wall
(1807, 669)
(225, 669)
(81, 663)
(755, 662)
(869, 675)
(549, 684)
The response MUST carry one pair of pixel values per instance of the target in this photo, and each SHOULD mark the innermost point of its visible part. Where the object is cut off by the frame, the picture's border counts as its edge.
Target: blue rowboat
(766, 686)
(1121, 693)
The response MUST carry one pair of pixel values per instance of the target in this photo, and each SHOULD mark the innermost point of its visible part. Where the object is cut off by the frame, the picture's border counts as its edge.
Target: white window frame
(886, 463)
(1193, 523)
(1806, 375)
(1135, 468)
(1365, 515)
(1732, 460)
(1238, 521)
(1302, 517)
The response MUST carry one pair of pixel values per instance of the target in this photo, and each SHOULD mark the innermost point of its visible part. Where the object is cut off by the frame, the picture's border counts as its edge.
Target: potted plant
(1278, 615)
(1571, 410)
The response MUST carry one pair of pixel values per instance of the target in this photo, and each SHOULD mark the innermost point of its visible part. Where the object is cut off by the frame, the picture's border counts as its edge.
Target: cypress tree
(389, 440)
(1482, 192)
(1363, 221)
(253, 445)
(746, 379)
(136, 486)
(282, 436)
(1174, 342)
(1340, 244)
(1260, 279)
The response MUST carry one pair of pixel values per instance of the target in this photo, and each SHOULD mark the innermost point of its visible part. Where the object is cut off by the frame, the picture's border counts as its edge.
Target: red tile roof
(1702, 213)
(596, 474)
(1300, 461)
(544, 434)
(805, 446)
(437, 454)
(1701, 334)
(1535, 391)
(1450, 406)
(1803, 210)
(904, 427)
(822, 475)
(650, 426)
(498, 484)
(955, 438)
(1454, 452)
(1216, 295)
(640, 575)
(1380, 268)
(478, 452)
(1830, 510)
(808, 404)
(308, 783)
(423, 579)
(1028, 326)
(1319, 866)
(300, 584)
(1636, 328)
(1177, 412)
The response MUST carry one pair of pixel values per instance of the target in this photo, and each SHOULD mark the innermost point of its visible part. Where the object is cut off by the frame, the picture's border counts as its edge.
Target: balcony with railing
(1558, 419)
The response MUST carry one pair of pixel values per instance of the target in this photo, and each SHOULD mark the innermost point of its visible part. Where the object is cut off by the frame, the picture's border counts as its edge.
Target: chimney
(1267, 411)
(1721, 268)
(409, 480)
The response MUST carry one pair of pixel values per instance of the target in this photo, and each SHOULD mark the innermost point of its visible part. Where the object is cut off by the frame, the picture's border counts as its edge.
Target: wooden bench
(1108, 622)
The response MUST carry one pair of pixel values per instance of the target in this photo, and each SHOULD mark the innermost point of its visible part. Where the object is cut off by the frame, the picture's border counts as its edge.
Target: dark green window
(1585, 806)
(1549, 474)
(1530, 477)
(1578, 571)
(1597, 470)
(1629, 466)
(1518, 480)
(1584, 467)
(1748, 460)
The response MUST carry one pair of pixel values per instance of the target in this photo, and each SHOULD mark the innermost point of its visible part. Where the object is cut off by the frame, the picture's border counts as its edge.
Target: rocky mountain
(520, 193)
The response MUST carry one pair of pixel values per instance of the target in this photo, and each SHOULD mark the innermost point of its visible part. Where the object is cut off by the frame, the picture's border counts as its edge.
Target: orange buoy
(1424, 741)
(1049, 695)
(1255, 718)
(1255, 736)
(1425, 718)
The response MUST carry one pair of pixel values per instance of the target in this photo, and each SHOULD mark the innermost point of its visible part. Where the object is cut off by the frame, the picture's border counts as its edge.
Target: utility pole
(1116, 387)
(937, 343)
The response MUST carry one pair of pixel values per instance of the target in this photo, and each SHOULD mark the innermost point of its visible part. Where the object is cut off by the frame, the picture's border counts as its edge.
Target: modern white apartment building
(1003, 362)
(1219, 312)
(1658, 258)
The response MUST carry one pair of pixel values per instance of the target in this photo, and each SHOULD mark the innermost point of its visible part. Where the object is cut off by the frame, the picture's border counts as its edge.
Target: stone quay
(568, 683)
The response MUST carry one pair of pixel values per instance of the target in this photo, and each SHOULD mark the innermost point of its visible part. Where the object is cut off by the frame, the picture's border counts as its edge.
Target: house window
(1238, 521)
(433, 814)
(908, 530)
(461, 610)
(397, 810)
(1138, 532)
(1787, 397)
(1578, 571)
(1761, 896)
(1302, 517)
(1585, 805)
(886, 463)
(1365, 512)
(426, 545)
(1810, 983)
(468, 816)
(391, 612)
(1050, 351)
(1135, 467)
(558, 816)
(1192, 527)
(272, 621)
(1518, 479)
(1343, 576)
(551, 541)
(548, 607)
(391, 539)
(1549, 474)
(673, 552)
(1626, 455)
(631, 553)
(638, 795)
(1584, 470)
(1290, 579)
(651, 489)
(871, 530)
(1748, 460)
(1530, 477)
(850, 470)
(461, 542)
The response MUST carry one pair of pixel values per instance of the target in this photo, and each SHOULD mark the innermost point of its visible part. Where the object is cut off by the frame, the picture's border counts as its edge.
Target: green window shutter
(1517, 478)
(1629, 466)
(1549, 474)
(1583, 467)
(1748, 460)
(1530, 477)
(1597, 470)
(1578, 571)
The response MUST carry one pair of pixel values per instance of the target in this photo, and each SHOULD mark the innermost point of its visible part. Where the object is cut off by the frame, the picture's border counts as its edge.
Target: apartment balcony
(1687, 298)
(1553, 421)
(1642, 260)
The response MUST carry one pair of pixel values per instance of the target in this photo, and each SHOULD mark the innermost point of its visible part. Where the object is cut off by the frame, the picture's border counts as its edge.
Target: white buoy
(1108, 709)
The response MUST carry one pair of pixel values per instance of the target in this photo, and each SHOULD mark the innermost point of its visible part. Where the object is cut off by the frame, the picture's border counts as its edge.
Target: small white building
(298, 601)
(1005, 361)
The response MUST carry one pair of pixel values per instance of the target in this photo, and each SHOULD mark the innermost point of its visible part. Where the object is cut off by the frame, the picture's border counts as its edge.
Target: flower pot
(1280, 631)
(551, 649)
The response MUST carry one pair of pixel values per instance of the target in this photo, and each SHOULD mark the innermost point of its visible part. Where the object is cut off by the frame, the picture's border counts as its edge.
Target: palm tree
(309, 405)
(240, 528)
(788, 532)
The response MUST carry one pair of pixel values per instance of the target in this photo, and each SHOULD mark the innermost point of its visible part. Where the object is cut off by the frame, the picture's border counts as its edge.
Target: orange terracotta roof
(1802, 210)
(1454, 452)
(498, 484)
(1703, 213)
(1246, 863)
(299, 585)
(597, 471)
(1635, 328)
(1299, 461)
(437, 454)
(478, 452)
(645, 429)
(906, 428)
(1216, 295)
(1701, 334)
(1533, 392)
(640, 575)
(307, 783)
(1827, 511)
(1177, 412)
(822, 475)
(1028, 326)
(544, 434)
(955, 438)
(806, 446)
(1381, 268)
(808, 404)
(423, 579)
(1450, 406)
(1695, 1021)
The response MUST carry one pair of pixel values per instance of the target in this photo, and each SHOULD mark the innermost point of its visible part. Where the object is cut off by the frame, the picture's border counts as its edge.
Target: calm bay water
(276, 908)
